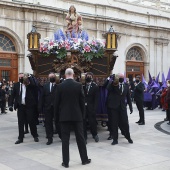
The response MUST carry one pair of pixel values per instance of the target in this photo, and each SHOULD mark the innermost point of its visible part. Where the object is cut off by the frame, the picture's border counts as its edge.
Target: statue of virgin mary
(74, 21)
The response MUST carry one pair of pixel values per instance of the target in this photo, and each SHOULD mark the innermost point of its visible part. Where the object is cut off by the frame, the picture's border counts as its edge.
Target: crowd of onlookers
(156, 95)
(6, 88)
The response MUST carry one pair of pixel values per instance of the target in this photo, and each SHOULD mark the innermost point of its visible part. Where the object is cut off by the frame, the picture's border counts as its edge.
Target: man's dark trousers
(49, 115)
(26, 114)
(65, 133)
(119, 116)
(139, 105)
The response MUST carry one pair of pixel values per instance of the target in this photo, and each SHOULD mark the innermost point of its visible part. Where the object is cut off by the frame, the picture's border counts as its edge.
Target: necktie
(121, 88)
(87, 88)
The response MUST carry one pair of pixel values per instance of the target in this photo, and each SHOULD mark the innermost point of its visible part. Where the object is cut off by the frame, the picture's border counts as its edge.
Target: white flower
(79, 40)
(49, 47)
(47, 39)
(56, 44)
(57, 52)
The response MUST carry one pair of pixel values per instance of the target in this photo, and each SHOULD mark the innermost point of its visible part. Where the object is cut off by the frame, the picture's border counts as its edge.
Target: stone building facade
(143, 41)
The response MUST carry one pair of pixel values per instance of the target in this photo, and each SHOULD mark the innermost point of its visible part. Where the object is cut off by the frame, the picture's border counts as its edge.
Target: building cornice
(49, 8)
(53, 10)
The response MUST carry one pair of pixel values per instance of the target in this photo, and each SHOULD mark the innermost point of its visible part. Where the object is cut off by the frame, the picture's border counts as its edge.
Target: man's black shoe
(114, 142)
(65, 165)
(137, 122)
(168, 123)
(50, 141)
(36, 139)
(130, 140)
(26, 132)
(141, 123)
(109, 138)
(96, 138)
(19, 141)
(86, 162)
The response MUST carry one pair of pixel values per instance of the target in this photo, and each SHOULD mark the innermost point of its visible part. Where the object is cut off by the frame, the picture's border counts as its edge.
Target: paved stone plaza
(150, 151)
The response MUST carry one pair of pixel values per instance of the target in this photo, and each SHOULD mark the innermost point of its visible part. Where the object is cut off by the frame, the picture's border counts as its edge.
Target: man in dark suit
(46, 104)
(118, 92)
(2, 99)
(91, 102)
(69, 110)
(139, 97)
(25, 98)
(107, 82)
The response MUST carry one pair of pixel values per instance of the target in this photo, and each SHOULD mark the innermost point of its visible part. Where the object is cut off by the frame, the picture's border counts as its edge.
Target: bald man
(69, 109)
(118, 92)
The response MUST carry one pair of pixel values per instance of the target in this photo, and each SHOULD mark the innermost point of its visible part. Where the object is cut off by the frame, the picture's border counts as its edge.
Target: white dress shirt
(51, 84)
(23, 93)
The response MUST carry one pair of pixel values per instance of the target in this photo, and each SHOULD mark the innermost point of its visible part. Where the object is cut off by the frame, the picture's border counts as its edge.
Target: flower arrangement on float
(64, 43)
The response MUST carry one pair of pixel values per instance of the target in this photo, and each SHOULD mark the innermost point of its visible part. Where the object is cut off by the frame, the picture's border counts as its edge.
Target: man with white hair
(118, 92)
(69, 106)
(24, 99)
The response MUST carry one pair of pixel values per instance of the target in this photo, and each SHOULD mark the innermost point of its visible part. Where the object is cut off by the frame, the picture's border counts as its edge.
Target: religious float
(73, 49)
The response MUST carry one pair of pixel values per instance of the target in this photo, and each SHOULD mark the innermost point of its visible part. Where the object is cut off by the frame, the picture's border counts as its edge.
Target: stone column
(158, 61)
(21, 63)
(146, 68)
(161, 61)
(165, 65)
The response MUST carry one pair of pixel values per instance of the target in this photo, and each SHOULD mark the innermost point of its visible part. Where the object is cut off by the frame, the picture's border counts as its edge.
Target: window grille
(6, 44)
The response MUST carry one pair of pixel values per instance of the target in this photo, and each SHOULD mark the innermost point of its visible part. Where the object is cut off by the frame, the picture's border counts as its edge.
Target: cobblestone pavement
(150, 151)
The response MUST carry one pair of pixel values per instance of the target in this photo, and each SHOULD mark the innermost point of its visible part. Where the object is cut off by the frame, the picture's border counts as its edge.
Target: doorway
(134, 63)
(8, 59)
(134, 69)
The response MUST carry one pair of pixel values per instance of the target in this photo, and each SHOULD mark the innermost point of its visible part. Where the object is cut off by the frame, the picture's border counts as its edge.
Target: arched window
(134, 54)
(6, 44)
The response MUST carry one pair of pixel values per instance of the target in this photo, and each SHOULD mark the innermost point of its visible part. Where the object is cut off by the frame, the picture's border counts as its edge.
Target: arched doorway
(134, 62)
(8, 58)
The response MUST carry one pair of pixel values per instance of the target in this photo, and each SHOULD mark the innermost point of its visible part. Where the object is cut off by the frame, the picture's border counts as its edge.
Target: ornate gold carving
(75, 61)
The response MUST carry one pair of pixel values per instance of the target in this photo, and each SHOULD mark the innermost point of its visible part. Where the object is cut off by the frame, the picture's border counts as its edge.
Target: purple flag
(168, 76)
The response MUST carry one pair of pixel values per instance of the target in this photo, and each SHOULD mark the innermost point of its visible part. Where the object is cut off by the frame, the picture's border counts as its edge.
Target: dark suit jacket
(69, 101)
(116, 100)
(92, 97)
(139, 92)
(47, 97)
(31, 98)
(2, 94)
